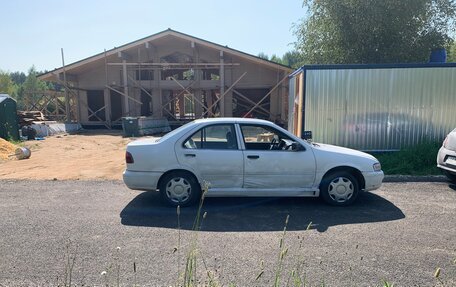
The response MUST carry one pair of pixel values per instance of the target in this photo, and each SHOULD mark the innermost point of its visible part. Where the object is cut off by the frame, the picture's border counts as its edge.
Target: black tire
(179, 188)
(346, 183)
(450, 176)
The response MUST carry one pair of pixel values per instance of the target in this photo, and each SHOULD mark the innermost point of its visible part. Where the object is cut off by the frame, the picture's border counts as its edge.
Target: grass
(416, 160)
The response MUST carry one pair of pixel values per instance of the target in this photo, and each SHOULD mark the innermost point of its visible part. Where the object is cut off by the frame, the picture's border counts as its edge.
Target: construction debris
(28, 117)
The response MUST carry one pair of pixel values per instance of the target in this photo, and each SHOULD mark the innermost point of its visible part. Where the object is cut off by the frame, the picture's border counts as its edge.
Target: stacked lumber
(28, 117)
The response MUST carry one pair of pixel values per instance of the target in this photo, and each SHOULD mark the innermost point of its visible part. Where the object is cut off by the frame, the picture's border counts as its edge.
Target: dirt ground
(96, 154)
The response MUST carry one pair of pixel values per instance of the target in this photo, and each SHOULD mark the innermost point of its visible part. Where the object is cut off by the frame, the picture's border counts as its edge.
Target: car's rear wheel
(450, 176)
(179, 188)
(339, 188)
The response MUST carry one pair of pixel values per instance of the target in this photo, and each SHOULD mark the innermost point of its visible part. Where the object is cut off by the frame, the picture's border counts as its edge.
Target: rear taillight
(129, 157)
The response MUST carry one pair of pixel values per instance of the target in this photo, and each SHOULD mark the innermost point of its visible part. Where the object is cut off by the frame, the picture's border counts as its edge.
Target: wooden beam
(186, 89)
(125, 86)
(221, 97)
(88, 108)
(275, 87)
(178, 94)
(67, 99)
(123, 55)
(106, 67)
(106, 92)
(95, 115)
(300, 105)
(247, 107)
(69, 77)
(249, 100)
(222, 83)
(123, 94)
(174, 64)
(95, 112)
(139, 86)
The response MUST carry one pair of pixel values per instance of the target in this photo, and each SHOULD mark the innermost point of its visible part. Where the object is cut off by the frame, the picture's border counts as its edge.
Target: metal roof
(372, 66)
(4, 97)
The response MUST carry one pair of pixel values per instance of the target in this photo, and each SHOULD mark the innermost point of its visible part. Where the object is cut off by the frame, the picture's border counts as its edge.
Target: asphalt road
(400, 233)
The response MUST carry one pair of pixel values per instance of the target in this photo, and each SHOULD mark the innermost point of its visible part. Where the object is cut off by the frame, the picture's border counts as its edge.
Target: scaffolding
(177, 86)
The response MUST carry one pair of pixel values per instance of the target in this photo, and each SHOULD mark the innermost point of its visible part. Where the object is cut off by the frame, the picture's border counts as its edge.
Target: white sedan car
(246, 157)
(446, 158)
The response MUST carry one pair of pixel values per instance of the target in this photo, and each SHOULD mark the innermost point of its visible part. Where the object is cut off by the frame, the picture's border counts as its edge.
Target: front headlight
(377, 166)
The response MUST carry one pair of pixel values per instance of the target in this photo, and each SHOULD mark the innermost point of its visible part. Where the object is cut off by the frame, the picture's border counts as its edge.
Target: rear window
(175, 132)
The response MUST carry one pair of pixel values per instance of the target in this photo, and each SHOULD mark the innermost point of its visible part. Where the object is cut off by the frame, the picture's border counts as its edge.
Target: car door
(213, 153)
(272, 161)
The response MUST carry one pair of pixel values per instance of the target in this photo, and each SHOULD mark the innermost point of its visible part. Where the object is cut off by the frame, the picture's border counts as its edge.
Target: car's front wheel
(339, 188)
(179, 188)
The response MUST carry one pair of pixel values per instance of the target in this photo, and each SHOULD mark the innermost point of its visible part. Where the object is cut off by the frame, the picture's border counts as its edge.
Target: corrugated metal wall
(380, 109)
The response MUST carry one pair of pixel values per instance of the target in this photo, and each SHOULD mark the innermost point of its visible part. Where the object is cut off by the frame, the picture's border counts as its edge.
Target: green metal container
(9, 128)
(130, 127)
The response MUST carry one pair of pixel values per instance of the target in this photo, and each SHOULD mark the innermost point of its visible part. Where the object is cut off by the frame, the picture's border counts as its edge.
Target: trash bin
(130, 127)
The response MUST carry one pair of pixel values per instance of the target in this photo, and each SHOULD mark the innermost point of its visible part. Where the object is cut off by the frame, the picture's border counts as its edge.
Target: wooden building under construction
(175, 76)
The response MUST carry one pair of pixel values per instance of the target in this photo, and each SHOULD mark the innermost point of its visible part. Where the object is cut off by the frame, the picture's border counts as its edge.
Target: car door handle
(190, 154)
(253, 156)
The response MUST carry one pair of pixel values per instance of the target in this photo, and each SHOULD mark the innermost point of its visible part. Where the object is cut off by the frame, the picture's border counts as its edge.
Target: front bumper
(373, 179)
(442, 156)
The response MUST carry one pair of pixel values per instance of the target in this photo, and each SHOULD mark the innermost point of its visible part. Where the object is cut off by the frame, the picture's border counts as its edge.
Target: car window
(174, 132)
(260, 137)
(213, 137)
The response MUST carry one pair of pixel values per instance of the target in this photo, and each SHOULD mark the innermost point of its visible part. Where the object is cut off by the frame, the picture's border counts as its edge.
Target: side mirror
(306, 135)
(297, 147)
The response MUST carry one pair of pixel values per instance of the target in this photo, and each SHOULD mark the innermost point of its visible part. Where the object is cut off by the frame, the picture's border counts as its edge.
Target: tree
(18, 77)
(32, 88)
(7, 86)
(451, 55)
(291, 59)
(276, 59)
(374, 31)
(263, 55)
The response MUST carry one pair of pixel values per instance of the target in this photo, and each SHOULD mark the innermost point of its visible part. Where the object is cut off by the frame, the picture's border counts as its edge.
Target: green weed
(416, 160)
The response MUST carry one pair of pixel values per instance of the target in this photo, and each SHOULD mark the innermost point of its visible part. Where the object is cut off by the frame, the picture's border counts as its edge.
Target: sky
(33, 32)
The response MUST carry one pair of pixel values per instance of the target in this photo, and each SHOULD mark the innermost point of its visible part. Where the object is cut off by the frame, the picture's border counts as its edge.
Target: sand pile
(6, 149)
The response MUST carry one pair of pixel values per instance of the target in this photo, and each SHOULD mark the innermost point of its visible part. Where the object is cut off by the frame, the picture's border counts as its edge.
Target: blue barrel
(438, 56)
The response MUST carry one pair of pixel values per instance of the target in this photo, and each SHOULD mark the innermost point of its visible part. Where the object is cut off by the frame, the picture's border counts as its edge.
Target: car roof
(232, 120)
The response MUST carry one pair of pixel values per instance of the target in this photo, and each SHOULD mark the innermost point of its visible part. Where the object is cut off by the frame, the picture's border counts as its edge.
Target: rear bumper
(141, 180)
(373, 179)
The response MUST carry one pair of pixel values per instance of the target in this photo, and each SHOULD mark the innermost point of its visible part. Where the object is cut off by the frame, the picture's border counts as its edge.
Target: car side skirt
(248, 192)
